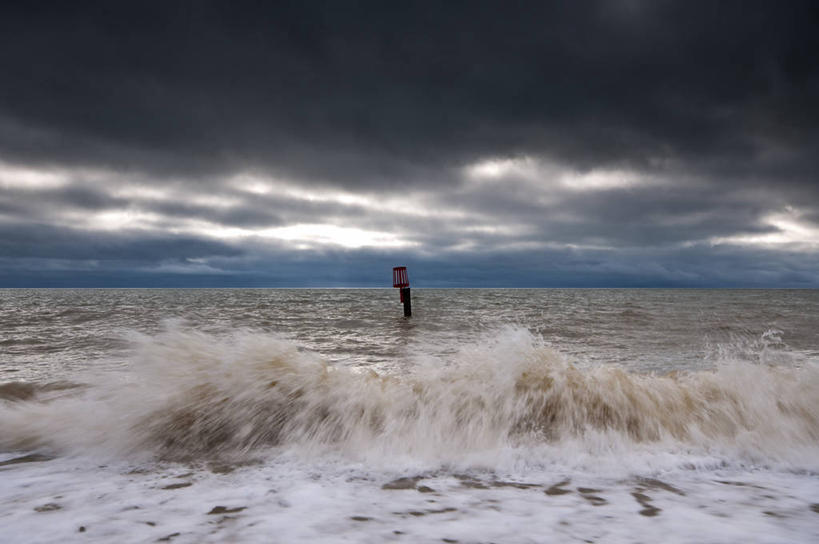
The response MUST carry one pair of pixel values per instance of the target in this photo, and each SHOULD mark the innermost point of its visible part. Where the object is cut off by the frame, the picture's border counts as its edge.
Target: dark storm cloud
(44, 204)
(47, 242)
(711, 107)
(647, 216)
(374, 93)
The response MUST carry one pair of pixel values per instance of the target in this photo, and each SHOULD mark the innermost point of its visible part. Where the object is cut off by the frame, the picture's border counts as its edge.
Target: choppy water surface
(491, 415)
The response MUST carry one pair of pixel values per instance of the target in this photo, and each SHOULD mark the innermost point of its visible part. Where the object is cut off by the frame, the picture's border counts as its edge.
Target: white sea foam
(287, 499)
(191, 396)
(503, 440)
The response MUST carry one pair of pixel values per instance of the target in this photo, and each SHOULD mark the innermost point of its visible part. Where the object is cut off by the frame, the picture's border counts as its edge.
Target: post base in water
(405, 298)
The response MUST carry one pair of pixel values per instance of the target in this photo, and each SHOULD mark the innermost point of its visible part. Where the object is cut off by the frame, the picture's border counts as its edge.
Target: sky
(481, 144)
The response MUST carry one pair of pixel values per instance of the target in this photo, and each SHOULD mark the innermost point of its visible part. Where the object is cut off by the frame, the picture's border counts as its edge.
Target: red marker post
(400, 279)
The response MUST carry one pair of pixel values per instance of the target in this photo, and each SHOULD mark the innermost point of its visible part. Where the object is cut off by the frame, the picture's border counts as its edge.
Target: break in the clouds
(618, 143)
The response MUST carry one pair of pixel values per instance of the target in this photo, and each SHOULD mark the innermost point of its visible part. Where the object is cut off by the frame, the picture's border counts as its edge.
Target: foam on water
(246, 436)
(191, 396)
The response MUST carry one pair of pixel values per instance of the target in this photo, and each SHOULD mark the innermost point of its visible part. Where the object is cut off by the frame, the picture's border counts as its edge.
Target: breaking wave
(191, 396)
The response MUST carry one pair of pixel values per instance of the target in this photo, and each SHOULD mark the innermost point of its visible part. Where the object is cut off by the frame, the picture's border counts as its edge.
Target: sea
(490, 415)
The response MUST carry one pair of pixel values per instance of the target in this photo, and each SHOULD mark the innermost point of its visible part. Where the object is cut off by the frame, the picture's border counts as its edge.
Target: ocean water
(491, 415)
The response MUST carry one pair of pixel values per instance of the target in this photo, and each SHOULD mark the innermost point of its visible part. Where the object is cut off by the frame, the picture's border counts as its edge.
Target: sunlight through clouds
(316, 235)
(34, 179)
(541, 173)
(604, 180)
(792, 230)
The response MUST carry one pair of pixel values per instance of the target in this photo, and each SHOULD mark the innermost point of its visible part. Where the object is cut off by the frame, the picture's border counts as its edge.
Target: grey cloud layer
(373, 93)
(714, 103)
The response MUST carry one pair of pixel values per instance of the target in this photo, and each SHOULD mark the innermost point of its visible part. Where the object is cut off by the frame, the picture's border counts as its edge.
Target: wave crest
(191, 396)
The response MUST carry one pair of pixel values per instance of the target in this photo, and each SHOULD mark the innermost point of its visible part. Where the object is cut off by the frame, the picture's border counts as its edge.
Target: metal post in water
(405, 297)
(400, 279)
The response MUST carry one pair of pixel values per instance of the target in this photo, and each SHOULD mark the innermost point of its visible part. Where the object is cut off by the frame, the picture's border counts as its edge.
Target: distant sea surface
(491, 415)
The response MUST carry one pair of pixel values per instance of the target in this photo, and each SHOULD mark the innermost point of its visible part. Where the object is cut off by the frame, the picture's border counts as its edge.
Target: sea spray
(190, 396)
